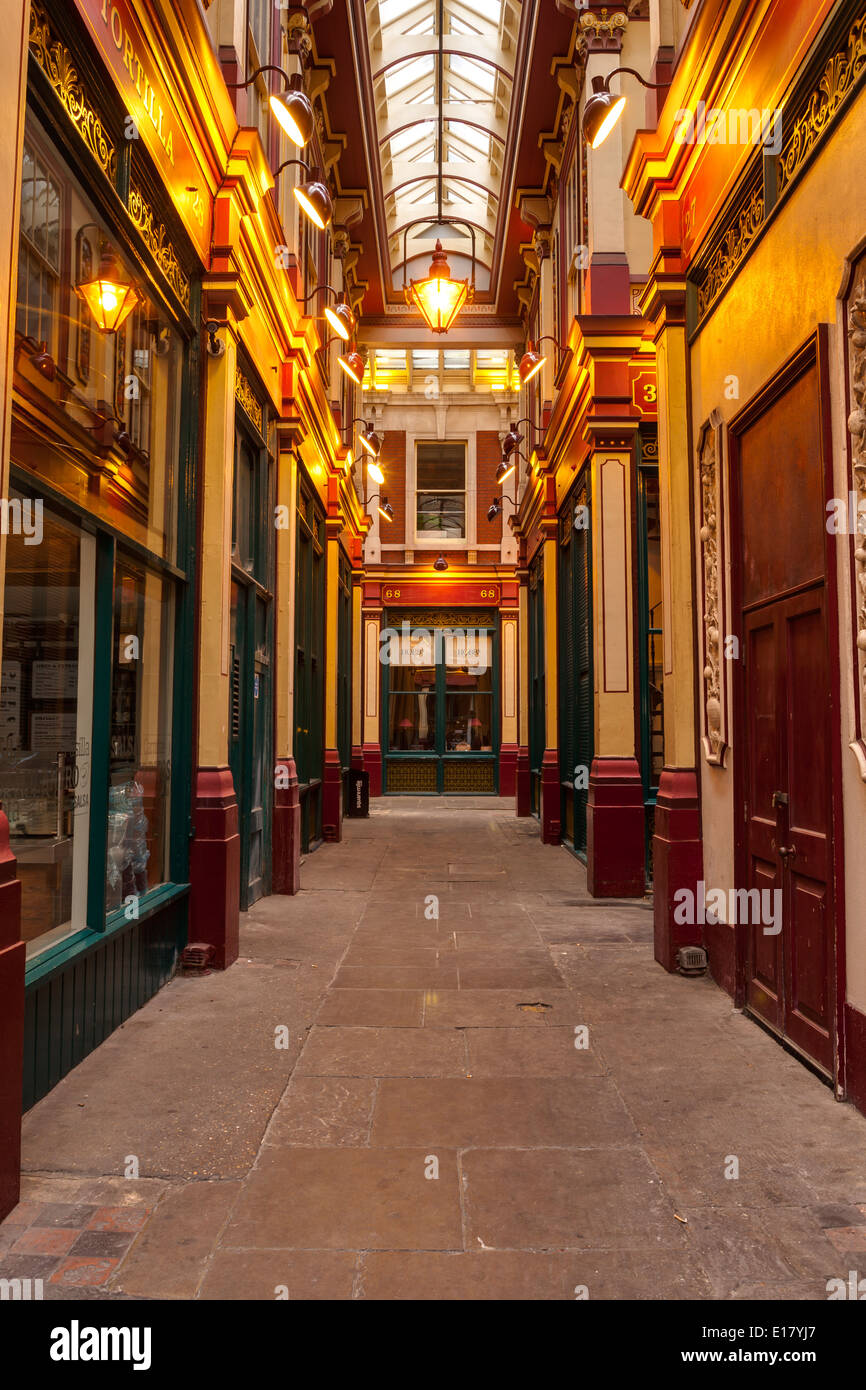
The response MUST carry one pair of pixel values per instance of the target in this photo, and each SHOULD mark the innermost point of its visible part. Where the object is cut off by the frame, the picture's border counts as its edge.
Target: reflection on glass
(140, 748)
(45, 723)
(412, 715)
(468, 710)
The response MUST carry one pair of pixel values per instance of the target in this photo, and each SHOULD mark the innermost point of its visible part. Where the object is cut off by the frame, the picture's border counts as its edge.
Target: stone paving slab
(384, 1101)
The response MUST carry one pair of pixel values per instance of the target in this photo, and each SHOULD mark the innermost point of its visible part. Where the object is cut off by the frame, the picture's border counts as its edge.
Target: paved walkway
(427, 1126)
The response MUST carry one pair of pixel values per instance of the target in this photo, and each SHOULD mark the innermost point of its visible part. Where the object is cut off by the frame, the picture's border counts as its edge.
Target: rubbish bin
(359, 793)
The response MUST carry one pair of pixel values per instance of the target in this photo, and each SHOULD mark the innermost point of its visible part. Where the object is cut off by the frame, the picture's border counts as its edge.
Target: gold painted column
(286, 837)
(522, 790)
(372, 747)
(13, 77)
(551, 792)
(215, 848)
(332, 777)
(615, 835)
(677, 847)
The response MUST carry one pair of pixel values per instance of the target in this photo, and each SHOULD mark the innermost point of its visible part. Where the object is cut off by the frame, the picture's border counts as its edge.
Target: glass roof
(442, 118)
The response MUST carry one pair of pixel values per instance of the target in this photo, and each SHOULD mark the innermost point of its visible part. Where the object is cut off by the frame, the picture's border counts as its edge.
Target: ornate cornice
(156, 239)
(731, 251)
(836, 82)
(857, 431)
(57, 64)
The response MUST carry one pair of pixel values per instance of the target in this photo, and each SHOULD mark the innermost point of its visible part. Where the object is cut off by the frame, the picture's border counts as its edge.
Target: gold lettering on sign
(157, 115)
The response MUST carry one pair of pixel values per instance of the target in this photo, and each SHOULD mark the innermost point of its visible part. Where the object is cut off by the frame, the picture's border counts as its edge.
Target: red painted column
(615, 837)
(215, 865)
(508, 769)
(678, 863)
(12, 953)
(551, 798)
(373, 765)
(332, 797)
(286, 869)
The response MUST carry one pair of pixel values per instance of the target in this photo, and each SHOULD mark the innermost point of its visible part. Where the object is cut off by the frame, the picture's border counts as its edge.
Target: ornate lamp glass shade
(600, 113)
(294, 112)
(353, 366)
(341, 319)
(530, 364)
(314, 197)
(110, 298)
(439, 298)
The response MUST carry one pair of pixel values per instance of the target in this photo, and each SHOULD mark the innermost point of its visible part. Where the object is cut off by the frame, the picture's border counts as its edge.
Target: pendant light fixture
(109, 296)
(440, 563)
(439, 297)
(603, 108)
(292, 108)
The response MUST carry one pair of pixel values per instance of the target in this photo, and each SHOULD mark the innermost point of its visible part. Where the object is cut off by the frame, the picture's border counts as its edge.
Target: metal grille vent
(692, 960)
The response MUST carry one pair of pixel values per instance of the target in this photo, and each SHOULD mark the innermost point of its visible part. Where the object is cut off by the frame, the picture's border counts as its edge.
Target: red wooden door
(784, 751)
(790, 971)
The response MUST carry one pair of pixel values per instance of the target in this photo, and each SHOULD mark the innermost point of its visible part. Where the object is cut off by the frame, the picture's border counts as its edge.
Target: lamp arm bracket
(654, 86)
(445, 221)
(268, 67)
(287, 162)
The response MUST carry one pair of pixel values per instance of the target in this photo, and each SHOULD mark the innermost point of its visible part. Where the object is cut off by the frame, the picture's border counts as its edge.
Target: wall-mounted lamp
(40, 357)
(353, 365)
(386, 511)
(532, 360)
(314, 196)
(110, 297)
(215, 346)
(375, 472)
(119, 437)
(292, 108)
(506, 468)
(513, 437)
(370, 440)
(339, 315)
(496, 506)
(603, 108)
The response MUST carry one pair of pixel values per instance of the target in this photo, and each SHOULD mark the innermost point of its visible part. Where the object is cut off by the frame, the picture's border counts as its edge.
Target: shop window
(39, 259)
(440, 481)
(140, 734)
(46, 716)
(468, 694)
(119, 392)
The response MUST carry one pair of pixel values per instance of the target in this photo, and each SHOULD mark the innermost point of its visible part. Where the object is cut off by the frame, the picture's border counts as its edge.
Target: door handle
(787, 852)
(779, 799)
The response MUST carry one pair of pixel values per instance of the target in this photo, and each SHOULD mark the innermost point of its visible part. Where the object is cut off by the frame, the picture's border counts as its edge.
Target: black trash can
(359, 793)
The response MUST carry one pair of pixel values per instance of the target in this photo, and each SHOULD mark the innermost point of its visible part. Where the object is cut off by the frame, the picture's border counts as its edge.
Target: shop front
(95, 712)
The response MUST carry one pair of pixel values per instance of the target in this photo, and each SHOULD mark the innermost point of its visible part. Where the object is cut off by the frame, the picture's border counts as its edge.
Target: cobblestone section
(442, 1071)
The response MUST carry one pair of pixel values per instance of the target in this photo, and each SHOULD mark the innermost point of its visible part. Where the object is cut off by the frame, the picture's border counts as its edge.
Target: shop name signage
(153, 116)
(454, 593)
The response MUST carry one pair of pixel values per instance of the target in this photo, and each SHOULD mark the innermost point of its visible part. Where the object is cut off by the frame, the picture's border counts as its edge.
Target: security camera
(215, 346)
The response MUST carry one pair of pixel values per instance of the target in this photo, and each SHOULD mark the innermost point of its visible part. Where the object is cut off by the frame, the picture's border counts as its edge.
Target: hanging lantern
(439, 298)
(110, 297)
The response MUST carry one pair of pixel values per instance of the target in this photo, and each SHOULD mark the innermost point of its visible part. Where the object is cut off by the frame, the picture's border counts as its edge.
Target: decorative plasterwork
(603, 32)
(156, 239)
(712, 559)
(836, 82)
(56, 62)
(728, 255)
(857, 431)
(247, 399)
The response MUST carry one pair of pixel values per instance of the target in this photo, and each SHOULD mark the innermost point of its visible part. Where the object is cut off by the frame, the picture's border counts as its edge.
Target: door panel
(789, 978)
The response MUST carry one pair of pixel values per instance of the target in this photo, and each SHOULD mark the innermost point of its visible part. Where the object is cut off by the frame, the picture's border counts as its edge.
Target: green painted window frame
(100, 924)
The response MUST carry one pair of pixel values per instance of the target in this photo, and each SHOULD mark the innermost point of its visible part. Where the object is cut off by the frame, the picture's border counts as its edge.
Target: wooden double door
(787, 712)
